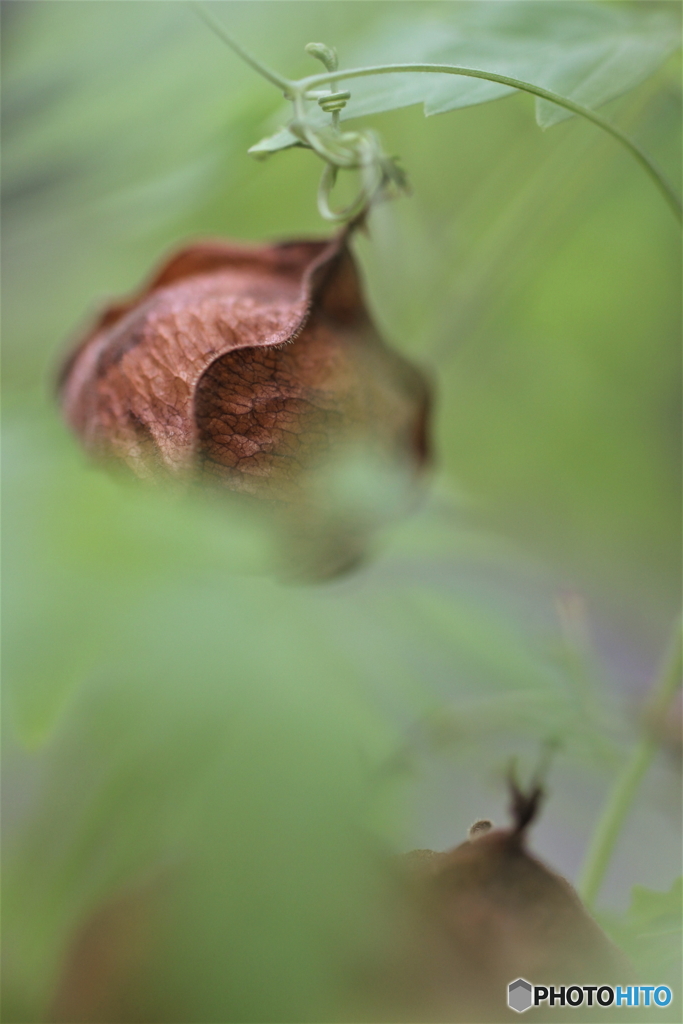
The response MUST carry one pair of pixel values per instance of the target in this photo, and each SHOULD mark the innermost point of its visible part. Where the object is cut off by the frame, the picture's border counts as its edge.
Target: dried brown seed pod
(492, 912)
(246, 365)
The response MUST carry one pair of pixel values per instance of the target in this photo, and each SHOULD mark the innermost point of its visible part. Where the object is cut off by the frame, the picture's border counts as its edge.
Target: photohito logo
(522, 995)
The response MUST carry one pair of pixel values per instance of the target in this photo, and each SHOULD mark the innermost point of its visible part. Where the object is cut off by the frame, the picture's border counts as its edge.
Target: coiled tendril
(348, 150)
(334, 101)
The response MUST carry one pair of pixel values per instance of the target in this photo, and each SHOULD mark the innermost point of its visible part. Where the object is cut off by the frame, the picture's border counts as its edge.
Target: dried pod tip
(524, 806)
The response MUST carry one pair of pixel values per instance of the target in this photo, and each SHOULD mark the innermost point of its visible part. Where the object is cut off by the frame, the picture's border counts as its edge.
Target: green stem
(282, 83)
(621, 797)
(447, 69)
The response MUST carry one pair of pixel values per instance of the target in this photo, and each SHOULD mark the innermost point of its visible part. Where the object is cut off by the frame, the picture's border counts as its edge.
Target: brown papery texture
(244, 365)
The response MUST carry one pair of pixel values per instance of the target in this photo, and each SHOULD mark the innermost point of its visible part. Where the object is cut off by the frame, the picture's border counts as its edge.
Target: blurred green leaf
(220, 756)
(650, 932)
(92, 557)
(586, 52)
(87, 552)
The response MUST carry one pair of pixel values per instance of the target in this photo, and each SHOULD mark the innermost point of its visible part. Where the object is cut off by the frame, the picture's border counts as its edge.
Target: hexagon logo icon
(519, 995)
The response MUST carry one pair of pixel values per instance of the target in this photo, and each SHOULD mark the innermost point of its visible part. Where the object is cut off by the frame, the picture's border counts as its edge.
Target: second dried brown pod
(248, 366)
(490, 912)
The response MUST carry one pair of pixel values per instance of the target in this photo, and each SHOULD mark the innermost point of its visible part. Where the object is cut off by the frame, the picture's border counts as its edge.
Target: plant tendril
(331, 102)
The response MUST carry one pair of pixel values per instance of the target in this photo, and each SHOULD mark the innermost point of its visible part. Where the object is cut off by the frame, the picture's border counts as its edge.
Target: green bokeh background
(536, 278)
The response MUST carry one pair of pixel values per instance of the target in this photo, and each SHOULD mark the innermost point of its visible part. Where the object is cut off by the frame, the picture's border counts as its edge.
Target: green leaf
(586, 52)
(282, 139)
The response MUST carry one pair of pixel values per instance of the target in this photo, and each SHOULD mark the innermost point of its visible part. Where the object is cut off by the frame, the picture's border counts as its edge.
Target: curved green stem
(515, 83)
(282, 83)
(621, 797)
